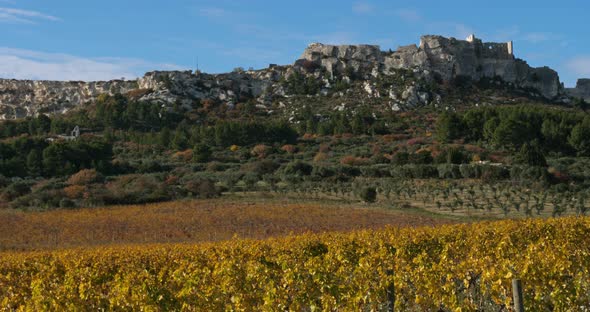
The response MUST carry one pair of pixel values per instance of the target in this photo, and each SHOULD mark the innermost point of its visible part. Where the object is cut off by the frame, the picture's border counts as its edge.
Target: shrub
(320, 156)
(494, 173)
(354, 161)
(298, 168)
(400, 158)
(202, 188)
(289, 148)
(422, 157)
(368, 194)
(85, 177)
(66, 203)
(14, 190)
(202, 153)
(74, 191)
(379, 158)
(260, 167)
(260, 151)
(186, 155)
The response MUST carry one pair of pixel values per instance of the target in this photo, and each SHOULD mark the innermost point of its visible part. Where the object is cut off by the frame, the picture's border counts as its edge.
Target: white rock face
(21, 98)
(436, 58)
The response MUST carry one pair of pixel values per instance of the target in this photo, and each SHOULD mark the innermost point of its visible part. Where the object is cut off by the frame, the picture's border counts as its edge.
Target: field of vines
(192, 221)
(446, 268)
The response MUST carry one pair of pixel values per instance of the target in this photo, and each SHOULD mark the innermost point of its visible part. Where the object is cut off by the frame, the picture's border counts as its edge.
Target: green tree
(448, 127)
(35, 163)
(579, 138)
(531, 154)
(164, 138)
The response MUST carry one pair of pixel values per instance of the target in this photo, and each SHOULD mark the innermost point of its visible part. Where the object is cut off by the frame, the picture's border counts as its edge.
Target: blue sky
(93, 40)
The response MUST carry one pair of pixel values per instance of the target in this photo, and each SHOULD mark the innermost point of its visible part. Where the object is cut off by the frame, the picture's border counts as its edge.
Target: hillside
(412, 76)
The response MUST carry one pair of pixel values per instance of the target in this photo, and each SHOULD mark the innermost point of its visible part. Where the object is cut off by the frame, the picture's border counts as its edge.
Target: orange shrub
(319, 157)
(308, 136)
(186, 155)
(353, 161)
(74, 191)
(289, 148)
(260, 151)
(84, 177)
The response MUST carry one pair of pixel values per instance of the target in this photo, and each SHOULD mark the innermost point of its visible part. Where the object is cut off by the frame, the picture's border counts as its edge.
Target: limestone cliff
(582, 90)
(446, 58)
(436, 58)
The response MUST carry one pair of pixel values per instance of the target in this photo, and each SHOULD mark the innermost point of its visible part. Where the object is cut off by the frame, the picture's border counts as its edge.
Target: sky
(108, 39)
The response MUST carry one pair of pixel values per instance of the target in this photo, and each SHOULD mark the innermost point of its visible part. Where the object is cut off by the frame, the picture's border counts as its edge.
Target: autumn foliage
(450, 268)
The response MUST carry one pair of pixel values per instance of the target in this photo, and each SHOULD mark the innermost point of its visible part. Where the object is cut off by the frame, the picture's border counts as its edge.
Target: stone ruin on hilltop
(436, 58)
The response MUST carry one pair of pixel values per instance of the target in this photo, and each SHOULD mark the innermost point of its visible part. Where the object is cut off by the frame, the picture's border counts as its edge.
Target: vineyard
(447, 268)
(193, 221)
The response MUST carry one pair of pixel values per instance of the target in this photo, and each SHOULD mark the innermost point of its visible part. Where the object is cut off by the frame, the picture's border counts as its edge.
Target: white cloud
(579, 65)
(11, 15)
(363, 8)
(408, 15)
(27, 64)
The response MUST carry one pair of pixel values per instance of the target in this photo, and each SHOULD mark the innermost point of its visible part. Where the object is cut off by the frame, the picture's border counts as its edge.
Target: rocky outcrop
(435, 59)
(441, 58)
(21, 98)
(582, 90)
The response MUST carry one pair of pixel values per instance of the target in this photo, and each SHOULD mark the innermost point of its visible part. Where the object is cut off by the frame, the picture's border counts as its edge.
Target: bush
(298, 168)
(354, 161)
(400, 158)
(261, 167)
(289, 148)
(66, 203)
(368, 194)
(260, 151)
(14, 190)
(201, 153)
(422, 157)
(85, 177)
(320, 156)
(202, 188)
(494, 173)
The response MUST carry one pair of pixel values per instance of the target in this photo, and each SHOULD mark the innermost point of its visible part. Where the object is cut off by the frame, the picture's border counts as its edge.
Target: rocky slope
(403, 78)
